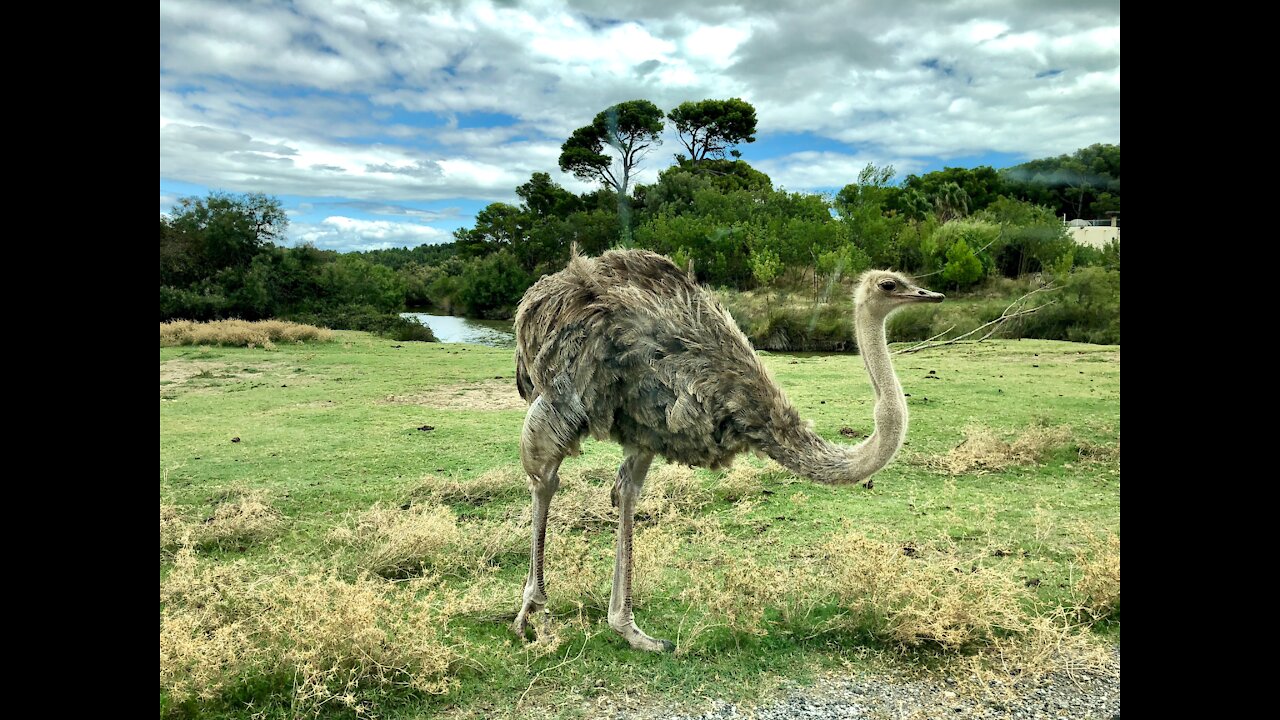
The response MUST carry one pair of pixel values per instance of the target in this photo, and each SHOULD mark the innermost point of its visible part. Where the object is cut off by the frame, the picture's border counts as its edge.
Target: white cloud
(343, 233)
(317, 97)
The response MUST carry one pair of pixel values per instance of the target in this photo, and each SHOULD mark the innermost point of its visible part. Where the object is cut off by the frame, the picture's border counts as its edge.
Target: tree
(862, 208)
(498, 225)
(1087, 180)
(544, 198)
(220, 231)
(708, 127)
(629, 128)
(963, 267)
(951, 202)
(981, 185)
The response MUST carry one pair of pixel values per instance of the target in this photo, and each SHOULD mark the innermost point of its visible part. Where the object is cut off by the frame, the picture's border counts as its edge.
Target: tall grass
(240, 333)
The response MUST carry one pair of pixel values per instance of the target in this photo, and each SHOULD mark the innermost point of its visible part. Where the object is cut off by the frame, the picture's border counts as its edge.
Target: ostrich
(628, 346)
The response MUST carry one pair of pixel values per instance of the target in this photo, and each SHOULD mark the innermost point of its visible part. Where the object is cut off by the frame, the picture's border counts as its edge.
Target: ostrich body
(627, 346)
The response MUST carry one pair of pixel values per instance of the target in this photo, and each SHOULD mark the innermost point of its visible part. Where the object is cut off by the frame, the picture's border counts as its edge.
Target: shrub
(1098, 588)
(399, 543)
(240, 516)
(261, 333)
(321, 640)
(940, 600)
(1087, 309)
(368, 319)
(982, 450)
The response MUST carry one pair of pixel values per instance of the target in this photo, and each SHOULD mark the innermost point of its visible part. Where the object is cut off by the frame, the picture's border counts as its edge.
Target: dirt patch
(483, 395)
(210, 376)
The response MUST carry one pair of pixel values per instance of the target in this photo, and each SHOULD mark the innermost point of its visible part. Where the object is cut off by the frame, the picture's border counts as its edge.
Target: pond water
(454, 329)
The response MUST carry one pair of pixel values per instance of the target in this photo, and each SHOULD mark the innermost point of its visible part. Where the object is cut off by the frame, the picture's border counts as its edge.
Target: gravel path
(882, 697)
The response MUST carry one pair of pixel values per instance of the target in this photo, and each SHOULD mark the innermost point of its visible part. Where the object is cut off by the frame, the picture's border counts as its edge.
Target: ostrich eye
(888, 285)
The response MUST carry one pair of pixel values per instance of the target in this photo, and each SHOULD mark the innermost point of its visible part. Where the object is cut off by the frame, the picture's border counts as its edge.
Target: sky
(389, 124)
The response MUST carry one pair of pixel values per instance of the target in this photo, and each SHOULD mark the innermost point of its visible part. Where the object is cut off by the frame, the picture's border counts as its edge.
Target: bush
(240, 516)
(492, 286)
(1098, 587)
(318, 639)
(368, 319)
(262, 333)
(913, 324)
(180, 303)
(1087, 309)
(826, 327)
(963, 268)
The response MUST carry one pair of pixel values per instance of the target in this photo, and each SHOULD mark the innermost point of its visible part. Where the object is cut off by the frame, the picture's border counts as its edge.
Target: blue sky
(382, 124)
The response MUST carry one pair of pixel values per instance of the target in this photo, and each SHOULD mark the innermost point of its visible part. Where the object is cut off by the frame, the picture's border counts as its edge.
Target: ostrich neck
(804, 452)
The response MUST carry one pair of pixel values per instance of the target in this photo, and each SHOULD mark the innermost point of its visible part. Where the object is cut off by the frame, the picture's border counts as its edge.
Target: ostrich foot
(641, 641)
(528, 611)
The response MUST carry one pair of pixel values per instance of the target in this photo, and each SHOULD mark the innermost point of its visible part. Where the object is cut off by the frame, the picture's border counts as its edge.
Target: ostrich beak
(919, 294)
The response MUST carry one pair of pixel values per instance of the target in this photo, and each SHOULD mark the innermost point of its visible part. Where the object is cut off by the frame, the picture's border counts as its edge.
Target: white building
(1096, 233)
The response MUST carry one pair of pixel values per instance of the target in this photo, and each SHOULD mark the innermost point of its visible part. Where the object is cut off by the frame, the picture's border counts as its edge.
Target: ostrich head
(881, 292)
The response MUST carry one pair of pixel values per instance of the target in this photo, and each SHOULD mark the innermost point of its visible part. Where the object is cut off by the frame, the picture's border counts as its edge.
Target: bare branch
(995, 325)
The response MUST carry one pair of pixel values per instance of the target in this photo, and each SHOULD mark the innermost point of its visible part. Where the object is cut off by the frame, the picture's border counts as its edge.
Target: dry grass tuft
(584, 500)
(672, 491)
(503, 483)
(326, 641)
(743, 481)
(580, 571)
(398, 543)
(982, 450)
(938, 599)
(1098, 588)
(487, 542)
(240, 333)
(1098, 452)
(1051, 644)
(173, 529)
(240, 516)
(733, 593)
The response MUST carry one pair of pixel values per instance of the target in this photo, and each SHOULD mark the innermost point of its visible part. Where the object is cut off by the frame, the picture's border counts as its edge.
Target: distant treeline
(219, 255)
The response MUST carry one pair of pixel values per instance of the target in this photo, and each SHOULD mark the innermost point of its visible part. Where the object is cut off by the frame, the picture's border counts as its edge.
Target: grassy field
(344, 531)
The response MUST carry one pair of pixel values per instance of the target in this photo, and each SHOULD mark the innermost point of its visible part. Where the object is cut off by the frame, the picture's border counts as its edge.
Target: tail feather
(524, 384)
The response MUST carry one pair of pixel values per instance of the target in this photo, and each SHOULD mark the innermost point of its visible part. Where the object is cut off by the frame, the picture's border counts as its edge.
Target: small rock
(235, 439)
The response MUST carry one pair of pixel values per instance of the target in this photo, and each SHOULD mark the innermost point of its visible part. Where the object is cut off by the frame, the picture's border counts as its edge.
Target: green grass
(319, 436)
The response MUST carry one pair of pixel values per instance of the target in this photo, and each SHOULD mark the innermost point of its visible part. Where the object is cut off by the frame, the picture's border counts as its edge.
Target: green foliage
(978, 187)
(862, 207)
(826, 327)
(368, 319)
(218, 257)
(1111, 255)
(1084, 184)
(203, 235)
(951, 202)
(628, 128)
(963, 268)
(1031, 237)
(765, 266)
(844, 261)
(1087, 309)
(708, 127)
(351, 280)
(491, 286)
(961, 250)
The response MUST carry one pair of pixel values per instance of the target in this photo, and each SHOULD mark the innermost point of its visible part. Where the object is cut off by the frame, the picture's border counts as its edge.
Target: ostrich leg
(541, 451)
(625, 493)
